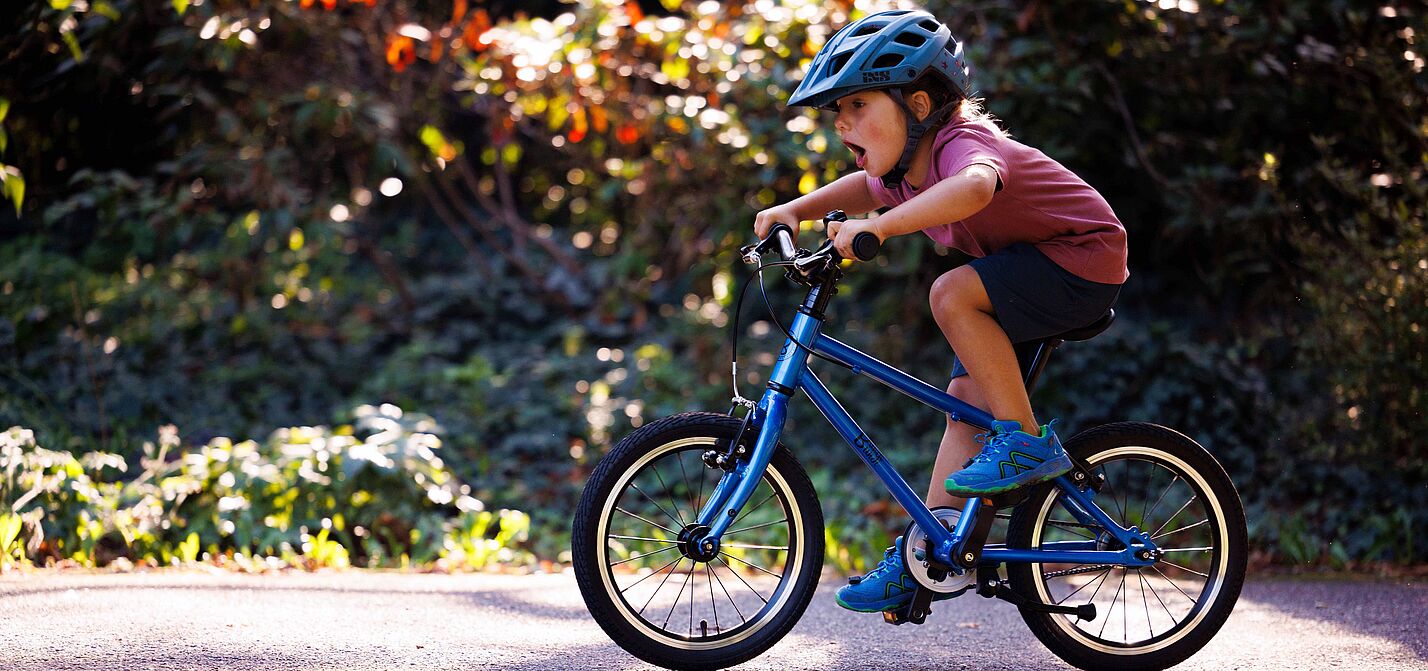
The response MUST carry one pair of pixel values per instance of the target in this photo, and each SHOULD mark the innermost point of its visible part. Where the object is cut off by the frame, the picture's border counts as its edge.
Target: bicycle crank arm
(990, 586)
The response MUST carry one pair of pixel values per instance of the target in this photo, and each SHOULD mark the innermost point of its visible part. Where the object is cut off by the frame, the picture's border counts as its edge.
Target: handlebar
(780, 238)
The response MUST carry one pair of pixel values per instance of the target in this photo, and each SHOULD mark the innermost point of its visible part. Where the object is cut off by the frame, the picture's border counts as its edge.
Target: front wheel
(1147, 617)
(643, 586)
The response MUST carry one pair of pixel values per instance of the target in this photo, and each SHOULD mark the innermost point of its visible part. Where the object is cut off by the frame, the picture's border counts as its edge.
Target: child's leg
(958, 444)
(964, 313)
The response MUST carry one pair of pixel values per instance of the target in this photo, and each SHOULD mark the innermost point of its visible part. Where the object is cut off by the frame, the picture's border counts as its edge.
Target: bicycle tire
(1139, 448)
(593, 548)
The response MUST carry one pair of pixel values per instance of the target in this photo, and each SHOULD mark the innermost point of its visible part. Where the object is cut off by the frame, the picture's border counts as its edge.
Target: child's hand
(779, 214)
(842, 233)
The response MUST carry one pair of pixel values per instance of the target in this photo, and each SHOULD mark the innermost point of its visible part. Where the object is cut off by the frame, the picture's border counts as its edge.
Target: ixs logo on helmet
(876, 77)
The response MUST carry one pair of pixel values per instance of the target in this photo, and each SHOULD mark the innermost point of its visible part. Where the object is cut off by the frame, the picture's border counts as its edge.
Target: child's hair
(968, 109)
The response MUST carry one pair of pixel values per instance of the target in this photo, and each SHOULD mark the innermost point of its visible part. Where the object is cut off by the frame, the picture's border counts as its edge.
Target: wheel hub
(692, 543)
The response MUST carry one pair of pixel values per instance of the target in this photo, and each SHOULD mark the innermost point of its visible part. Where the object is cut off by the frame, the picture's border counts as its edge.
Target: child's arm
(952, 199)
(848, 193)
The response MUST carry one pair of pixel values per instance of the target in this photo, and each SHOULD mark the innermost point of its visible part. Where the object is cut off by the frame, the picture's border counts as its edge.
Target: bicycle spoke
(1071, 527)
(1177, 514)
(708, 575)
(672, 518)
(741, 579)
(755, 507)
(1102, 633)
(642, 538)
(757, 526)
(1162, 496)
(1148, 624)
(646, 521)
(647, 575)
(755, 547)
(1191, 526)
(643, 555)
(680, 458)
(1205, 549)
(641, 611)
(1172, 584)
(1162, 601)
(754, 566)
(1202, 575)
(666, 488)
(742, 619)
(675, 603)
(1085, 585)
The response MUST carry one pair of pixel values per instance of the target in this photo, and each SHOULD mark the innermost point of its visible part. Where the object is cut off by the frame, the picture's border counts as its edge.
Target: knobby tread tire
(1084, 446)
(588, 570)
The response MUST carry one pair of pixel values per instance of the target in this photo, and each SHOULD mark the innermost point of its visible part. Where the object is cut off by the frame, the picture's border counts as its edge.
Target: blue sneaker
(887, 587)
(1011, 458)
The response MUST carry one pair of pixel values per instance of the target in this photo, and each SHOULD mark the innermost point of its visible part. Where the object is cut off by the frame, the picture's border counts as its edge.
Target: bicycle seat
(1090, 330)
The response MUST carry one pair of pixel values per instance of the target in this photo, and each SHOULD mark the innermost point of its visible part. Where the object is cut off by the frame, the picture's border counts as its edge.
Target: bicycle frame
(791, 373)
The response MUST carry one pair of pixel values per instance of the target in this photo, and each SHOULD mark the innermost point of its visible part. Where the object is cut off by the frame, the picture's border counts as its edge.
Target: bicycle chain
(1080, 569)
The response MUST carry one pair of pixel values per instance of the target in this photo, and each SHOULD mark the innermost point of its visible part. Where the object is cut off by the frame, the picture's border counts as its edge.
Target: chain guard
(915, 542)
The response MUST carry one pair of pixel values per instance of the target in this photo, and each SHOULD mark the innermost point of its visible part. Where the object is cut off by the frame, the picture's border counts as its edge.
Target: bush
(373, 493)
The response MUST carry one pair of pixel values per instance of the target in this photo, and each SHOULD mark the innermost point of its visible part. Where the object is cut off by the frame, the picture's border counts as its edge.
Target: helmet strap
(915, 130)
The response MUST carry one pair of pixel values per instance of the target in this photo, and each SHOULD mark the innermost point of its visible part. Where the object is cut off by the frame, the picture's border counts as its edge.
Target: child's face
(871, 126)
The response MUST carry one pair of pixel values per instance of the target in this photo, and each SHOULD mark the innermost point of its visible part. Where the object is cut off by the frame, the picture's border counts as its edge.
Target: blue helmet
(883, 50)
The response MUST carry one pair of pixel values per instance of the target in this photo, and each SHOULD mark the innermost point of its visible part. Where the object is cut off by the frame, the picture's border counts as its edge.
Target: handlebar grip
(783, 243)
(866, 246)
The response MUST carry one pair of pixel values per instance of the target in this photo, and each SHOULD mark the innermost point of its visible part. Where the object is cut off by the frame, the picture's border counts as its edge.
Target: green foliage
(374, 492)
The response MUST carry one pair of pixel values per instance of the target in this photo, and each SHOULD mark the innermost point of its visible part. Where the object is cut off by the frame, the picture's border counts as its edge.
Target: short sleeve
(971, 146)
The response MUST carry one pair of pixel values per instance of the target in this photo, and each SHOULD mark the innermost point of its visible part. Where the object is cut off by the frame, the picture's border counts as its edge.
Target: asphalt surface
(373, 620)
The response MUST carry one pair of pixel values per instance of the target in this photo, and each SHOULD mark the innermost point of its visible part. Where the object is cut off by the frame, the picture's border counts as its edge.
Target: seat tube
(773, 407)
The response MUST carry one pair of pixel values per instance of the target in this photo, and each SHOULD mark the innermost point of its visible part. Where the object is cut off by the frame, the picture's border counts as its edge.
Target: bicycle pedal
(905, 615)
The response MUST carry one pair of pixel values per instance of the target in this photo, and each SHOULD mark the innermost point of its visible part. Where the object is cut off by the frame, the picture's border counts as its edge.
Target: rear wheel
(655, 596)
(1146, 617)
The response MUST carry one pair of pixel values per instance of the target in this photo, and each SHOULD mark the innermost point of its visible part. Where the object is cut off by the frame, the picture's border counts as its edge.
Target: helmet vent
(928, 25)
(838, 62)
(910, 39)
(867, 29)
(887, 61)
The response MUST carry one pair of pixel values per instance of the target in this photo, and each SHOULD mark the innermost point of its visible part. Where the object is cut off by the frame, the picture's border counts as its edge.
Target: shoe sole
(893, 606)
(1048, 471)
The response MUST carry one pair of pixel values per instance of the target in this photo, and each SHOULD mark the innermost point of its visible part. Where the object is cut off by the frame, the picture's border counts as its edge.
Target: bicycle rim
(673, 599)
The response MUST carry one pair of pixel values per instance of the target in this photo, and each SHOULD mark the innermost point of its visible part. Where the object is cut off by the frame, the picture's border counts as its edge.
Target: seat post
(1038, 362)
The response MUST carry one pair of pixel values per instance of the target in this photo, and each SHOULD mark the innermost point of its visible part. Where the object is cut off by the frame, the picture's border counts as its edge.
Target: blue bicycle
(698, 541)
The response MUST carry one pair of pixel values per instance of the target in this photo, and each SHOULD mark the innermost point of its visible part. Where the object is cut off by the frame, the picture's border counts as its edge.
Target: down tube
(867, 451)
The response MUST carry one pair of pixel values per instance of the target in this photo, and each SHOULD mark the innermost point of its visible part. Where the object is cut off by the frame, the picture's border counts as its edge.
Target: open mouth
(859, 153)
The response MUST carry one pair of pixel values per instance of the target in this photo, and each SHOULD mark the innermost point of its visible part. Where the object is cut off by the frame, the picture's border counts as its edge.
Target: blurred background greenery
(520, 220)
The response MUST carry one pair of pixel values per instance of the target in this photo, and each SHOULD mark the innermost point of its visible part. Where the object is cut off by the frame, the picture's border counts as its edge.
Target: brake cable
(758, 273)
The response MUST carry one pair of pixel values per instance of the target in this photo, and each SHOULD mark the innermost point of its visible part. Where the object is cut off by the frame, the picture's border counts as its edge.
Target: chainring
(914, 543)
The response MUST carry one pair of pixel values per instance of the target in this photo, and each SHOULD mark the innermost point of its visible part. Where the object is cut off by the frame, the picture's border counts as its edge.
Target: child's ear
(921, 104)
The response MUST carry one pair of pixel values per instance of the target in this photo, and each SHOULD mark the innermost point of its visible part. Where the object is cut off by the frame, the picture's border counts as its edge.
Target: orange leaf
(576, 135)
(458, 10)
(627, 134)
(329, 5)
(598, 118)
(306, 4)
(401, 52)
(478, 25)
(632, 10)
(581, 124)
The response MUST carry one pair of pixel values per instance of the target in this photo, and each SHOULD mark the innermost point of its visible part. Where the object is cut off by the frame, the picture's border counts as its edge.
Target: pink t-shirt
(1040, 202)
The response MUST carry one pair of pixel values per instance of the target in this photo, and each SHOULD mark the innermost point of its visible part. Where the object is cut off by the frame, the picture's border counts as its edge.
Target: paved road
(370, 620)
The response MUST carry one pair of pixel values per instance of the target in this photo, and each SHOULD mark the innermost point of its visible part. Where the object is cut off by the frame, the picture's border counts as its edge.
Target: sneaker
(887, 587)
(1010, 459)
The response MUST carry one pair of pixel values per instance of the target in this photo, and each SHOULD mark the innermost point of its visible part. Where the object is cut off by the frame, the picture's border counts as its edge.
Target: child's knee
(957, 290)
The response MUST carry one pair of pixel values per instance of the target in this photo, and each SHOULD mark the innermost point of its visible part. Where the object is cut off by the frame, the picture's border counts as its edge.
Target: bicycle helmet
(885, 51)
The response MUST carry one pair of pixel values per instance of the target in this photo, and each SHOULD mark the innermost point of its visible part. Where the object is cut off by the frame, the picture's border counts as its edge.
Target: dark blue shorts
(1033, 298)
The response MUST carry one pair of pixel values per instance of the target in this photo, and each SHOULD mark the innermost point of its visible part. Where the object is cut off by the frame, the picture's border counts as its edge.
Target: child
(1050, 253)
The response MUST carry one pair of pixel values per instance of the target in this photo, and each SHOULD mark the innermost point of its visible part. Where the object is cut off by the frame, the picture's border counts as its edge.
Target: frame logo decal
(864, 445)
